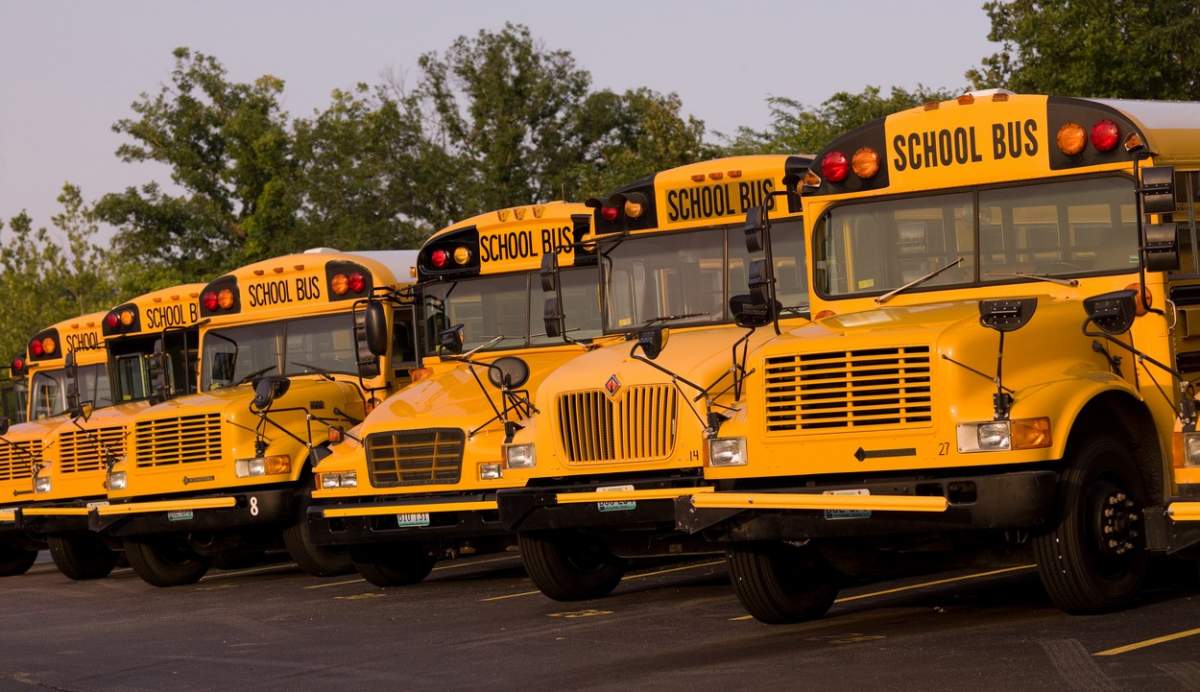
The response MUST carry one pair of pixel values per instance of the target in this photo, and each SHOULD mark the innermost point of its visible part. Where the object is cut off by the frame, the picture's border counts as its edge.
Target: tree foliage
(1114, 49)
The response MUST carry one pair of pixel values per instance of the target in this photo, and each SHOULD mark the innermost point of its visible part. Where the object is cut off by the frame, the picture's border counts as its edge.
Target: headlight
(263, 466)
(1191, 449)
(330, 481)
(520, 456)
(490, 472)
(727, 451)
(1003, 435)
(41, 485)
(116, 480)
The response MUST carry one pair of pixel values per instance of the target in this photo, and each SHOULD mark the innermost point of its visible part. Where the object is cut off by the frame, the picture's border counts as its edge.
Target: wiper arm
(672, 318)
(916, 282)
(317, 369)
(1038, 277)
(253, 375)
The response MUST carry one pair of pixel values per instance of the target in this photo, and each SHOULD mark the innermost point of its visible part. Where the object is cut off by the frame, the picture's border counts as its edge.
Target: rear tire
(15, 561)
(778, 584)
(399, 565)
(572, 567)
(170, 562)
(315, 560)
(82, 556)
(1093, 558)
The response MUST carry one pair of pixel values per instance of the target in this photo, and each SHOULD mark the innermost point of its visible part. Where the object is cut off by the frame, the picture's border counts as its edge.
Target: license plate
(616, 505)
(412, 519)
(185, 515)
(848, 513)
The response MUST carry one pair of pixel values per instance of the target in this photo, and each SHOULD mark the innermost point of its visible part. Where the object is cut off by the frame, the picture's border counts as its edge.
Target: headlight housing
(337, 479)
(1191, 450)
(727, 451)
(520, 456)
(1004, 435)
(42, 484)
(117, 480)
(491, 472)
(263, 466)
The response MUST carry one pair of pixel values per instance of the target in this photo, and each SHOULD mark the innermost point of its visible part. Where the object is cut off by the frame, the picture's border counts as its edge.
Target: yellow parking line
(1149, 642)
(326, 585)
(922, 585)
(255, 570)
(631, 577)
(455, 565)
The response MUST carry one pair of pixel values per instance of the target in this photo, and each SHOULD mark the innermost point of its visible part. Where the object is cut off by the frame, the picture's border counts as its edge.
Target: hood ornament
(612, 385)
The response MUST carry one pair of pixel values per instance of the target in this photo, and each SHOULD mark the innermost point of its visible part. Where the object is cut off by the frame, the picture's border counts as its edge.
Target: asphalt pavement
(479, 623)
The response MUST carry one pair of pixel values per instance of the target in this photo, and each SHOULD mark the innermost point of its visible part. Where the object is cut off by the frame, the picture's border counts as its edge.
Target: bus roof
(505, 240)
(151, 313)
(302, 282)
(706, 193)
(997, 136)
(402, 263)
(83, 334)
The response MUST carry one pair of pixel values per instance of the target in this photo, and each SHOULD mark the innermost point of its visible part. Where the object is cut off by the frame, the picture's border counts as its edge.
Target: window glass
(50, 391)
(877, 246)
(787, 248)
(676, 278)
(581, 305)
(324, 342)
(301, 346)
(487, 308)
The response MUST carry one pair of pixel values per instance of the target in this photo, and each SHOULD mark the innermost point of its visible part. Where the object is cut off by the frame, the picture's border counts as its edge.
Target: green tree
(227, 147)
(799, 129)
(85, 268)
(1116, 49)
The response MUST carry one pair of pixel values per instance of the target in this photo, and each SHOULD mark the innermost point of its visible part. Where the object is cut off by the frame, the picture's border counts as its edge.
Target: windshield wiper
(672, 318)
(1038, 277)
(253, 375)
(316, 369)
(916, 282)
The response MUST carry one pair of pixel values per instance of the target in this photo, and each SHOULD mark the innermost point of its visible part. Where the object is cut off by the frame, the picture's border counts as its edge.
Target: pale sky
(68, 70)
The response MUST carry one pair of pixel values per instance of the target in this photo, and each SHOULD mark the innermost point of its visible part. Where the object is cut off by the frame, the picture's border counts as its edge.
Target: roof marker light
(462, 255)
(111, 320)
(1105, 135)
(716, 175)
(339, 284)
(439, 257)
(225, 298)
(358, 282)
(35, 348)
(1071, 138)
(835, 167)
(609, 213)
(865, 163)
(48, 346)
(209, 299)
(126, 318)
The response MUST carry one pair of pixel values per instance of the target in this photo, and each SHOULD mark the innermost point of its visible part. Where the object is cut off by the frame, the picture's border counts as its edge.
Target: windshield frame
(728, 229)
(973, 191)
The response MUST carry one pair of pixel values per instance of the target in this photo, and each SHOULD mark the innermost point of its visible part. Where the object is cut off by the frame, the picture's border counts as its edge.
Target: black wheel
(570, 568)
(1093, 558)
(398, 565)
(315, 560)
(779, 584)
(166, 562)
(82, 556)
(15, 561)
(239, 559)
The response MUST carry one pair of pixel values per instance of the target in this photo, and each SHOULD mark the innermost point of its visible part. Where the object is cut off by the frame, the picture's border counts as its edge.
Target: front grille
(182, 440)
(635, 425)
(86, 450)
(415, 457)
(17, 459)
(866, 388)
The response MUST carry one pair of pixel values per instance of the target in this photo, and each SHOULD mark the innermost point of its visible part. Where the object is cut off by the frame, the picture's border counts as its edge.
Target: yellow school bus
(621, 431)
(150, 346)
(226, 470)
(1001, 354)
(418, 479)
(25, 449)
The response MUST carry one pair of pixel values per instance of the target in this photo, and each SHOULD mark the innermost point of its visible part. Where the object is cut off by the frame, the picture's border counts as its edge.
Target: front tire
(570, 568)
(82, 556)
(15, 561)
(778, 584)
(170, 562)
(315, 560)
(399, 565)
(1093, 558)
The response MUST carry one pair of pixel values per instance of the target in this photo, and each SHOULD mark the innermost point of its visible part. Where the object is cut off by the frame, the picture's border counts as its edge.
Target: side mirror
(749, 312)
(70, 366)
(508, 372)
(71, 371)
(753, 230)
(552, 317)
(451, 340)
(652, 341)
(1006, 314)
(549, 272)
(1162, 247)
(267, 390)
(1112, 312)
(376, 329)
(1158, 190)
(224, 365)
(4, 425)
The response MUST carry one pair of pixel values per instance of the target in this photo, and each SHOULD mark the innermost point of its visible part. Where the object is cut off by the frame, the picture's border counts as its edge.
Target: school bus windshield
(50, 390)
(1072, 228)
(286, 347)
(13, 400)
(687, 277)
(510, 306)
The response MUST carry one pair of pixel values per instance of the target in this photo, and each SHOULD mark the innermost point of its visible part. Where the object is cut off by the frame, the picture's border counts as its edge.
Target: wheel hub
(1119, 520)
